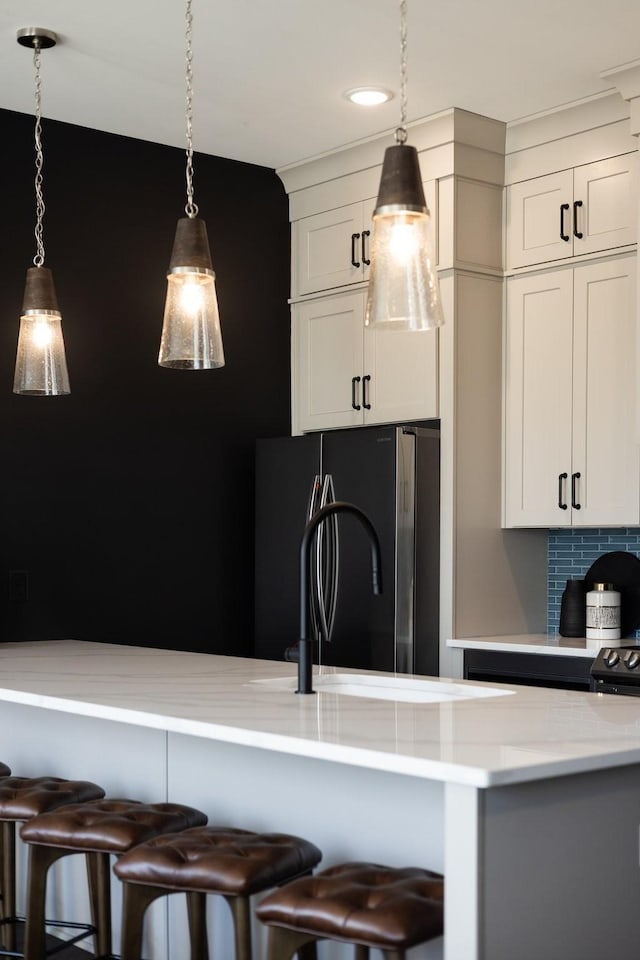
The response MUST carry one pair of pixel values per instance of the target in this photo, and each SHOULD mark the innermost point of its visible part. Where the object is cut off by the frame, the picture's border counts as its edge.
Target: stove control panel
(618, 665)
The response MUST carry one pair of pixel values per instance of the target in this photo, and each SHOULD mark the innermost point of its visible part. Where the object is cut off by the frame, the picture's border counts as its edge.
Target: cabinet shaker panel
(539, 345)
(607, 214)
(538, 217)
(404, 375)
(604, 385)
(327, 355)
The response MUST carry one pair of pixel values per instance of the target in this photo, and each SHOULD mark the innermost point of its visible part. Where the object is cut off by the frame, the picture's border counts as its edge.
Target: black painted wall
(130, 502)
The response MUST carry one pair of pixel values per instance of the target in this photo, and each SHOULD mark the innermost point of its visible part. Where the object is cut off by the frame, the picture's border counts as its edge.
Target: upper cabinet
(346, 375)
(331, 249)
(588, 209)
(571, 456)
(341, 373)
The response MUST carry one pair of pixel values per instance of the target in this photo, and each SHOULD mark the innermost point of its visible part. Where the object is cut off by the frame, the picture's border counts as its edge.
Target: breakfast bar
(527, 799)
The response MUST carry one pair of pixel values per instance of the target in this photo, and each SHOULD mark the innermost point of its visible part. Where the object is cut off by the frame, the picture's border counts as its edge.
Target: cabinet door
(327, 248)
(403, 372)
(605, 452)
(605, 193)
(534, 214)
(327, 355)
(537, 399)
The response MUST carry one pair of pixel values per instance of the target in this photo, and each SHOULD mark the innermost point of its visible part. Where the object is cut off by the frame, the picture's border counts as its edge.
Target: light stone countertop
(533, 643)
(529, 734)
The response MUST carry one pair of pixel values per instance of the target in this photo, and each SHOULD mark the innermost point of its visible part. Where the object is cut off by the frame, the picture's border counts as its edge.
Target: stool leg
(9, 884)
(361, 953)
(197, 911)
(40, 859)
(284, 943)
(241, 914)
(393, 954)
(99, 879)
(135, 900)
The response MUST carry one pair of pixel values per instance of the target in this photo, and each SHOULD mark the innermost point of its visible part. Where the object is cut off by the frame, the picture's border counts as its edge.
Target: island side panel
(127, 761)
(561, 870)
(350, 813)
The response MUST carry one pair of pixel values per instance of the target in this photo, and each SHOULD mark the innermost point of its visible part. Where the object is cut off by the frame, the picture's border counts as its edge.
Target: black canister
(573, 609)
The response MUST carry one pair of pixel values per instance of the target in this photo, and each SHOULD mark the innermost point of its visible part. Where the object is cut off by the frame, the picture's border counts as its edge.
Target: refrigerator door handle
(321, 583)
(314, 504)
(329, 496)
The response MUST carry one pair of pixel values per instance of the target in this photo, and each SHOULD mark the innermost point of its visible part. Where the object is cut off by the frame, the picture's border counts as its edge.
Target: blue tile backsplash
(571, 553)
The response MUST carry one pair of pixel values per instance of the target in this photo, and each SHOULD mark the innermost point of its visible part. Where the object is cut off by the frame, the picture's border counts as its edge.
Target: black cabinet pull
(563, 235)
(574, 487)
(354, 393)
(354, 263)
(577, 233)
(365, 392)
(561, 478)
(365, 259)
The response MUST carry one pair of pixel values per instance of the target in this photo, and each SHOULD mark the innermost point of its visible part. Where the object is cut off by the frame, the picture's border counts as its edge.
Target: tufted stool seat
(363, 904)
(22, 798)
(5, 771)
(232, 863)
(98, 829)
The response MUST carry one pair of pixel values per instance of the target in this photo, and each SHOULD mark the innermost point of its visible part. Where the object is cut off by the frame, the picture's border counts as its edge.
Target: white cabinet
(331, 249)
(585, 210)
(347, 375)
(571, 458)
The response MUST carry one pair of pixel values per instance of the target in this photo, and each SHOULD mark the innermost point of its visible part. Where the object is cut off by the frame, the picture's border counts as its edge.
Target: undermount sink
(403, 689)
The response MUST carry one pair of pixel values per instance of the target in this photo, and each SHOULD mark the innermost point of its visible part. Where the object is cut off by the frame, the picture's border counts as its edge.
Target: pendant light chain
(38, 260)
(191, 208)
(401, 132)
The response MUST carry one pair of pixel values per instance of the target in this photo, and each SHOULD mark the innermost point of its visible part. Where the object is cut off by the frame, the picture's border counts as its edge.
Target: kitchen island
(527, 799)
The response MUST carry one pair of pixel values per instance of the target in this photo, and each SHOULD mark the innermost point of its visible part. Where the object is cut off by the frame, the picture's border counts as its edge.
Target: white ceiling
(269, 74)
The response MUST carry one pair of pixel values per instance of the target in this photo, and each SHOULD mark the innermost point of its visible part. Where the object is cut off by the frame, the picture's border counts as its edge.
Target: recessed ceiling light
(367, 96)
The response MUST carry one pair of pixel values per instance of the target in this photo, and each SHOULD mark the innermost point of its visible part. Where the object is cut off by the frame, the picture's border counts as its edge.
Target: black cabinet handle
(365, 259)
(577, 233)
(355, 263)
(561, 478)
(574, 487)
(365, 392)
(563, 235)
(354, 393)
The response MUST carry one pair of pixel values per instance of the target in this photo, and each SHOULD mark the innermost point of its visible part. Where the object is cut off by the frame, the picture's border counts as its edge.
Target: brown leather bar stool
(97, 830)
(21, 799)
(363, 904)
(231, 863)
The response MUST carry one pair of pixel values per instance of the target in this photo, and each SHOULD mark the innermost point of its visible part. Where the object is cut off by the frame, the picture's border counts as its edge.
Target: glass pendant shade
(191, 336)
(41, 366)
(404, 292)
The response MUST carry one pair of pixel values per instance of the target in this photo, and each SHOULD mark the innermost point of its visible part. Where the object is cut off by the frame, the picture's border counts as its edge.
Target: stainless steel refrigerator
(393, 474)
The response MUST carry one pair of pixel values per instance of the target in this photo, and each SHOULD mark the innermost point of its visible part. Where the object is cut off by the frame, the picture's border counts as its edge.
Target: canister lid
(603, 586)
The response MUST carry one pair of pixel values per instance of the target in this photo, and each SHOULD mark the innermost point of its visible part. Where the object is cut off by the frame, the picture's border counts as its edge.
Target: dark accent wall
(129, 503)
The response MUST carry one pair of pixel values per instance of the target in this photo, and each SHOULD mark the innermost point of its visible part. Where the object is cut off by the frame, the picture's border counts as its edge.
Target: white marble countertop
(533, 643)
(530, 734)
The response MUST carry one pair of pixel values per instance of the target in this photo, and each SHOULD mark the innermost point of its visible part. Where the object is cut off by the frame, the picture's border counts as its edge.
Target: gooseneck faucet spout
(305, 645)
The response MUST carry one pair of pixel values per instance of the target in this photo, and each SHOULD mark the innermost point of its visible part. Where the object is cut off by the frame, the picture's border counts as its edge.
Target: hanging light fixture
(41, 366)
(403, 293)
(191, 337)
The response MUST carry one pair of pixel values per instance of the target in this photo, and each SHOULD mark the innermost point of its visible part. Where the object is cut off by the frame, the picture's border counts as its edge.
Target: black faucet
(305, 644)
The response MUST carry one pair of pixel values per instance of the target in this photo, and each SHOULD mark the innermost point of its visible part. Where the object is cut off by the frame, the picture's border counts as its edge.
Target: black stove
(617, 670)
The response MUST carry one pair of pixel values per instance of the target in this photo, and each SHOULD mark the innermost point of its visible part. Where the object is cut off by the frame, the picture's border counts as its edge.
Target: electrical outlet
(18, 586)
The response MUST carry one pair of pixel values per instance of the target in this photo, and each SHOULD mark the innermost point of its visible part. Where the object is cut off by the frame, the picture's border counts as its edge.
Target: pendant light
(191, 337)
(41, 366)
(404, 292)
